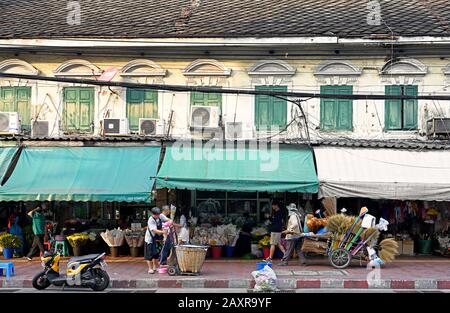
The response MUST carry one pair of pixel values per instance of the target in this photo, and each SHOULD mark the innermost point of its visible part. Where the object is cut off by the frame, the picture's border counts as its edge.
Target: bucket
(134, 251)
(76, 251)
(8, 253)
(425, 246)
(216, 252)
(162, 270)
(229, 251)
(114, 251)
(260, 265)
(266, 252)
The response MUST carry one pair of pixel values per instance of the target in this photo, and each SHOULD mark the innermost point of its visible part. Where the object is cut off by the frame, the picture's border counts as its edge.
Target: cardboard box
(408, 247)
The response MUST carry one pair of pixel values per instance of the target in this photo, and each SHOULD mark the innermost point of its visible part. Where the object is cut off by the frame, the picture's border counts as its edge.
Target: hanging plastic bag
(265, 279)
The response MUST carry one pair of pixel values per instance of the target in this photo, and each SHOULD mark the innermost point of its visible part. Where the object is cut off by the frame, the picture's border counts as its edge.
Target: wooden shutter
(345, 108)
(336, 114)
(393, 109)
(206, 99)
(78, 108)
(23, 105)
(141, 104)
(410, 108)
(270, 111)
(17, 99)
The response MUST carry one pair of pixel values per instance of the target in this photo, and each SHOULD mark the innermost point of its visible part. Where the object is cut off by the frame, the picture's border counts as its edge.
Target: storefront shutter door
(410, 108)
(393, 109)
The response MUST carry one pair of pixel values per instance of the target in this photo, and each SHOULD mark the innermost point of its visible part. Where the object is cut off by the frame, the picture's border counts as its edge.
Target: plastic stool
(9, 267)
(62, 248)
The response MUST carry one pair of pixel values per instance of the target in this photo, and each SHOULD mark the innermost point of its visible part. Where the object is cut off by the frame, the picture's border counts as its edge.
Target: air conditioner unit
(205, 117)
(115, 126)
(9, 123)
(438, 126)
(151, 127)
(238, 130)
(40, 129)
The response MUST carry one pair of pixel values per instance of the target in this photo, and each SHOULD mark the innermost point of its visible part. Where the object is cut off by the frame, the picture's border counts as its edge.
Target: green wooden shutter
(336, 114)
(206, 99)
(270, 111)
(393, 109)
(141, 104)
(410, 108)
(262, 108)
(78, 108)
(23, 105)
(7, 99)
(17, 99)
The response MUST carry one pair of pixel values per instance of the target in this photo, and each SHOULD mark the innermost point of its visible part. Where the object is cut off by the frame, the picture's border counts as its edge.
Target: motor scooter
(84, 271)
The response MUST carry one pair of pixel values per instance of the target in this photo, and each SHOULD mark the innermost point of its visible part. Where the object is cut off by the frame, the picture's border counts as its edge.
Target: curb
(283, 284)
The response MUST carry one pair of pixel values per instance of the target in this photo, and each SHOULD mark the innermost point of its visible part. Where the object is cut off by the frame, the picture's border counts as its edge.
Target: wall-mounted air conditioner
(151, 127)
(40, 129)
(438, 126)
(9, 123)
(238, 130)
(115, 127)
(205, 117)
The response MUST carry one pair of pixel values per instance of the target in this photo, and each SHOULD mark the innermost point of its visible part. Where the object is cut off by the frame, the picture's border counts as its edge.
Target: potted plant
(78, 241)
(9, 242)
(264, 243)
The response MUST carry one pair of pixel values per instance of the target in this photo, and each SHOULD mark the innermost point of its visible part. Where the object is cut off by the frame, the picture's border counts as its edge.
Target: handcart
(358, 241)
(185, 259)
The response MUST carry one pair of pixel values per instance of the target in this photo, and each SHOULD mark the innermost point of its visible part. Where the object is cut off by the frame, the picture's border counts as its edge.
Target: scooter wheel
(172, 271)
(40, 281)
(101, 280)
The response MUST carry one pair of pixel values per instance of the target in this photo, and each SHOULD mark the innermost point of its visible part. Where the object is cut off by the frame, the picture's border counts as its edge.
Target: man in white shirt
(154, 239)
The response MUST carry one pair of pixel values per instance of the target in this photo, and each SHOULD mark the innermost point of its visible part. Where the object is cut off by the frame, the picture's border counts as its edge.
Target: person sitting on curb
(294, 236)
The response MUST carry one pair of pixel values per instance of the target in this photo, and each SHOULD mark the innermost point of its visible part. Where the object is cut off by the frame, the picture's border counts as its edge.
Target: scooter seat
(83, 258)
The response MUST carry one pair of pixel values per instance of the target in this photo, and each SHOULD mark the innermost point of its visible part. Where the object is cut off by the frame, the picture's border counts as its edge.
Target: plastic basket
(191, 258)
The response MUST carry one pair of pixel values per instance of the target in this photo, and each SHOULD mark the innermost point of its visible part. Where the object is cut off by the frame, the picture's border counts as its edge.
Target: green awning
(82, 174)
(289, 168)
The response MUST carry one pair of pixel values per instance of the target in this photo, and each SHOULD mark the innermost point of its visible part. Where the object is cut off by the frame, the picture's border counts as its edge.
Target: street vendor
(294, 236)
(154, 239)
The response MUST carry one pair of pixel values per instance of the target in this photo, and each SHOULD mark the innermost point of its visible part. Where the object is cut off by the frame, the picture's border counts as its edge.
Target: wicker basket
(314, 245)
(191, 258)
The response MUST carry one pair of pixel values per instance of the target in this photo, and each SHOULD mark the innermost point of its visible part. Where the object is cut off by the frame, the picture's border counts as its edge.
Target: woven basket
(314, 246)
(191, 258)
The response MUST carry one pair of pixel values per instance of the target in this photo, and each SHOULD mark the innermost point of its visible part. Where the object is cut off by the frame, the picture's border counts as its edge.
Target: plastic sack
(265, 279)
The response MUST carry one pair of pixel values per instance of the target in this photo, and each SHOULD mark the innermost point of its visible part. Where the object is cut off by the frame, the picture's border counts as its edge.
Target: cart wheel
(340, 258)
(172, 271)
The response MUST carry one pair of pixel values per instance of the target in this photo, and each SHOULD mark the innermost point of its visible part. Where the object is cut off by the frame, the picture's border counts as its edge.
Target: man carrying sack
(294, 236)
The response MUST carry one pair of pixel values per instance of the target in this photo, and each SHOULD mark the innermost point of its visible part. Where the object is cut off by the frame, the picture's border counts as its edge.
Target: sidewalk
(127, 272)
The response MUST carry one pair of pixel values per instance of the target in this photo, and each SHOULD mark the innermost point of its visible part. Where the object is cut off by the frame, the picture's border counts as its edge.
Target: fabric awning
(383, 173)
(81, 174)
(289, 168)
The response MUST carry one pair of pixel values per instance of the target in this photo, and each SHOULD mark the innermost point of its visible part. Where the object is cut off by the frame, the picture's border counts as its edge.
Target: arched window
(142, 103)
(16, 96)
(77, 68)
(404, 67)
(206, 67)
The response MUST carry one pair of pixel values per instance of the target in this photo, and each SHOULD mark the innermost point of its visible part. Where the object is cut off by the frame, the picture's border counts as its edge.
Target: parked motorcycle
(84, 271)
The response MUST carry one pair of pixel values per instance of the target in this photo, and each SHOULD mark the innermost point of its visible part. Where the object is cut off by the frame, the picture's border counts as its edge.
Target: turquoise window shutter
(393, 109)
(336, 114)
(270, 111)
(410, 108)
(141, 103)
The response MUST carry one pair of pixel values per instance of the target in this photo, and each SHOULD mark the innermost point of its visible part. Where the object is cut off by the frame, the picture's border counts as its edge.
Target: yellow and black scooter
(84, 271)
